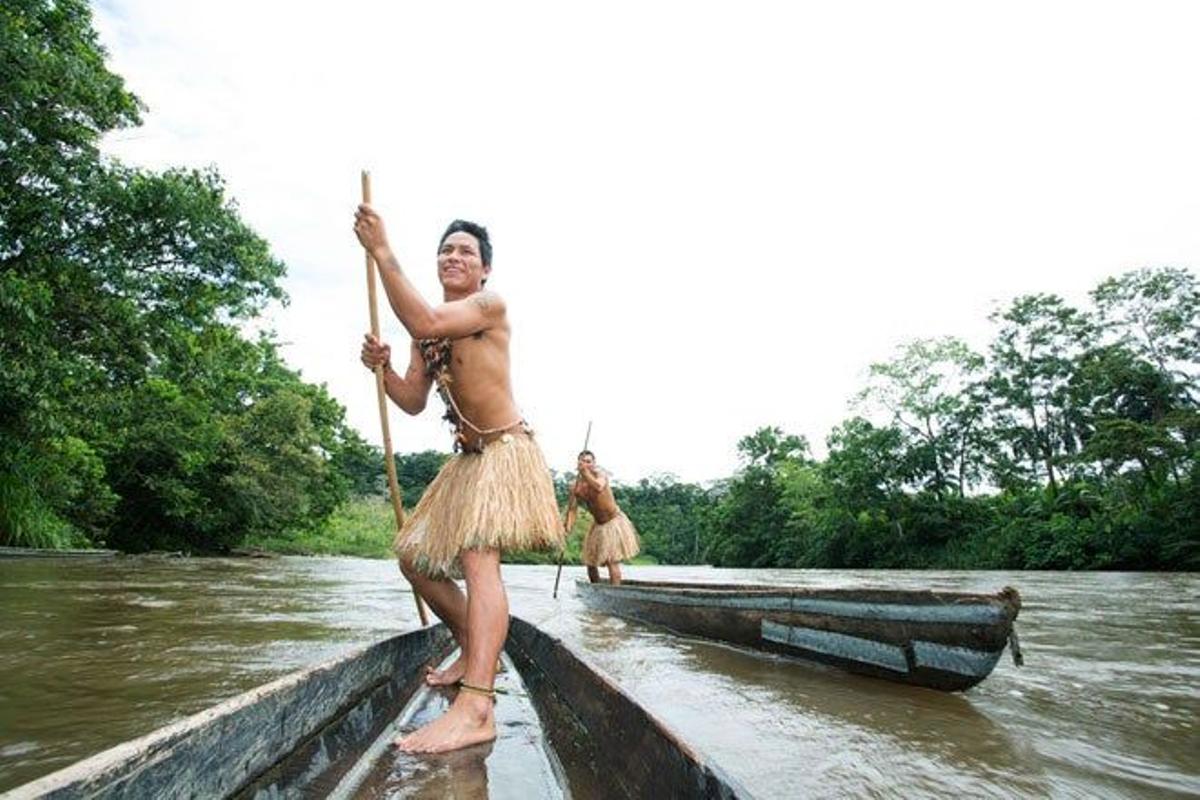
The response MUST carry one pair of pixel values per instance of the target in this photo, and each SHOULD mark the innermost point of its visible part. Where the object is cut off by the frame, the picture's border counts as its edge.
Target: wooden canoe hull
(300, 735)
(940, 640)
(584, 709)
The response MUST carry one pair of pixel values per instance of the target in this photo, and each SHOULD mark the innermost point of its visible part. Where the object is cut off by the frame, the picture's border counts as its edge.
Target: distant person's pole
(381, 391)
(561, 553)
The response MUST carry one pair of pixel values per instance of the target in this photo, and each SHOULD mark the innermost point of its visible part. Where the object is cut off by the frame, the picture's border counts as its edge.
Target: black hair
(583, 453)
(476, 230)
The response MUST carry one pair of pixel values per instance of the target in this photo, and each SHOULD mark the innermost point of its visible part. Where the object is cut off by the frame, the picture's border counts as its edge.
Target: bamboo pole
(561, 553)
(381, 393)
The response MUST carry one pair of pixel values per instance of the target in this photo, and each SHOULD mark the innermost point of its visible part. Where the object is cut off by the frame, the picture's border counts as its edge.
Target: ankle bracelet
(482, 690)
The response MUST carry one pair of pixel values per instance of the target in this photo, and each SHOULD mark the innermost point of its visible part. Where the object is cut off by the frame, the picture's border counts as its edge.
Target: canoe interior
(563, 729)
(941, 640)
(519, 764)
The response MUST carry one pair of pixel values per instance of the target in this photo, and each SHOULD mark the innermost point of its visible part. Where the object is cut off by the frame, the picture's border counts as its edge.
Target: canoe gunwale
(1008, 597)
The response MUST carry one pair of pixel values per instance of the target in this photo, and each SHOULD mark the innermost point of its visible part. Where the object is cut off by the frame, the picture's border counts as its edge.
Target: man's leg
(449, 603)
(593, 574)
(614, 572)
(471, 718)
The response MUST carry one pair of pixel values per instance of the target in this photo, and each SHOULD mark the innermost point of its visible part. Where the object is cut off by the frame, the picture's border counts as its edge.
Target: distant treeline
(1072, 443)
(136, 413)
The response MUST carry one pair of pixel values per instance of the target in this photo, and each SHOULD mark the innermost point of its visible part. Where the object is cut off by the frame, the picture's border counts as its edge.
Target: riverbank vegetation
(137, 413)
(1072, 442)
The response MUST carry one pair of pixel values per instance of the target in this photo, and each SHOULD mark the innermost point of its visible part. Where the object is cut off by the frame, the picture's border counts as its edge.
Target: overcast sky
(706, 217)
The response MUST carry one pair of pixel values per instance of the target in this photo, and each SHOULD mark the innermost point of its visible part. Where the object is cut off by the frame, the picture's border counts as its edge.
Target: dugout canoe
(940, 640)
(564, 729)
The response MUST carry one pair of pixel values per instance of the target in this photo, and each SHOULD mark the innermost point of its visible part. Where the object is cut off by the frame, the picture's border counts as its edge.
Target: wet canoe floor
(523, 761)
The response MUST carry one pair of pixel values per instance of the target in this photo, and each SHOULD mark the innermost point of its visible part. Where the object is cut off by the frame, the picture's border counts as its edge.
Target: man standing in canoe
(494, 494)
(612, 538)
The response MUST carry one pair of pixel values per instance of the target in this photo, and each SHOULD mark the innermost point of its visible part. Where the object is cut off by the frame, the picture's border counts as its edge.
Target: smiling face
(460, 265)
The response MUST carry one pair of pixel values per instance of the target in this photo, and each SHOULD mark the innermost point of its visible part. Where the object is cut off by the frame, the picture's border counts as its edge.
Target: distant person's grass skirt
(615, 540)
(501, 498)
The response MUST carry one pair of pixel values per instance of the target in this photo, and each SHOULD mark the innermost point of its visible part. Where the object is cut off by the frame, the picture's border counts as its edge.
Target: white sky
(707, 217)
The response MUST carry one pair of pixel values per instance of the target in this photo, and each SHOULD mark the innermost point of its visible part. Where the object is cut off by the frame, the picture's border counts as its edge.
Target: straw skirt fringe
(501, 498)
(615, 540)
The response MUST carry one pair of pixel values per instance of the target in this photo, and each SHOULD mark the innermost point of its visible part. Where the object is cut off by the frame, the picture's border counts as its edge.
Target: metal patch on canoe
(960, 660)
(967, 614)
(839, 645)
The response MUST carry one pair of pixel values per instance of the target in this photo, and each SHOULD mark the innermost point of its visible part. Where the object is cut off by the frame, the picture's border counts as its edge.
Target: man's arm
(410, 391)
(454, 319)
(595, 480)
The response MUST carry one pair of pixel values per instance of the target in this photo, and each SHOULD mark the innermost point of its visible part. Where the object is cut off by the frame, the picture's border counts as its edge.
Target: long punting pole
(381, 392)
(558, 575)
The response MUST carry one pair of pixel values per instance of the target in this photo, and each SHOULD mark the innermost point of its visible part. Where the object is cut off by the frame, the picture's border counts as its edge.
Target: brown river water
(1107, 705)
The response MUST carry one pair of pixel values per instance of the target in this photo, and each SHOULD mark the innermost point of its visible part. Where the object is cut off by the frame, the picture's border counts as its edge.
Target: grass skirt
(615, 540)
(501, 498)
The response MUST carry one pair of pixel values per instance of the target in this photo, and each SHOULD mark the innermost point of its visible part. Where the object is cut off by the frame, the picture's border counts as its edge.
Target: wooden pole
(561, 553)
(381, 392)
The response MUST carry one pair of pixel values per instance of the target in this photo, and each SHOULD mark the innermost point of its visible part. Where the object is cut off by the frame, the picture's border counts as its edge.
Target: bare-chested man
(494, 494)
(612, 538)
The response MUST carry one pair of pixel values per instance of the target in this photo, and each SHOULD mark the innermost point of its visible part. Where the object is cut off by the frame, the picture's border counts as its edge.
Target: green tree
(56, 99)
(415, 471)
(749, 515)
(866, 466)
(670, 517)
(1147, 381)
(811, 533)
(1130, 413)
(769, 447)
(361, 465)
(1032, 360)
(926, 391)
(274, 472)
(132, 409)
(1156, 313)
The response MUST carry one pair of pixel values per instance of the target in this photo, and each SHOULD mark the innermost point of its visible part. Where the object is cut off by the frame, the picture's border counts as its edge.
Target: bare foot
(448, 676)
(471, 719)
